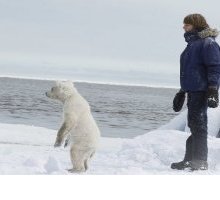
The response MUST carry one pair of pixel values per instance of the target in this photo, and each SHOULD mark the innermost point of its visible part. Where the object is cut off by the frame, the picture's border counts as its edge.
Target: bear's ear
(70, 83)
(58, 83)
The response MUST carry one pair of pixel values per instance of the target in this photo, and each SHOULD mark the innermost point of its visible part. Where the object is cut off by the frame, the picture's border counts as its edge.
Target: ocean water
(120, 111)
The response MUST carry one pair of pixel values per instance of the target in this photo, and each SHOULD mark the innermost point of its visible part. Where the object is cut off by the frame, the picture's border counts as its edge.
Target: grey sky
(139, 35)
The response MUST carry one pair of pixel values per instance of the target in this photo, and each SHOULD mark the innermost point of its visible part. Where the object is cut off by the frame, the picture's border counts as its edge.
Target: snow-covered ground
(29, 150)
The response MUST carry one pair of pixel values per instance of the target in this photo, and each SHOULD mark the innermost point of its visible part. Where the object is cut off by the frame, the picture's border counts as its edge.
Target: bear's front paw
(58, 143)
(66, 143)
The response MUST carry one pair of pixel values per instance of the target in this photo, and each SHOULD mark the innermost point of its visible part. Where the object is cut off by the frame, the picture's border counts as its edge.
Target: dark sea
(120, 111)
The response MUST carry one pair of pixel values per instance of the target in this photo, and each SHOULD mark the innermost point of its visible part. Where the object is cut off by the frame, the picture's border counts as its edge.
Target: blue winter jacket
(200, 61)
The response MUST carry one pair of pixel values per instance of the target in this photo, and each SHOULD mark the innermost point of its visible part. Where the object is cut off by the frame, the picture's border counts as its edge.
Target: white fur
(78, 122)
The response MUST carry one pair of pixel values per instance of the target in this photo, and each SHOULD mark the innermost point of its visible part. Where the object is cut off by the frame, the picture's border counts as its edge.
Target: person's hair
(197, 20)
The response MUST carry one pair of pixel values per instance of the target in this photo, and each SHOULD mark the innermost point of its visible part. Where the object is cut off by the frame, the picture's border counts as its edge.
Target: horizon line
(93, 82)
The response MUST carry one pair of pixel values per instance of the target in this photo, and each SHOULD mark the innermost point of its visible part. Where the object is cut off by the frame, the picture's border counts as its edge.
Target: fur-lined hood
(209, 32)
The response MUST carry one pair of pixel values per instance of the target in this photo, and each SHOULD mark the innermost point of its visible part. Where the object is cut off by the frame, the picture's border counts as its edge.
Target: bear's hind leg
(86, 165)
(89, 155)
(77, 158)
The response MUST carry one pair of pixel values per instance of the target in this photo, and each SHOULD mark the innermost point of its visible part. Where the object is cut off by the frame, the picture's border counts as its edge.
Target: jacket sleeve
(211, 55)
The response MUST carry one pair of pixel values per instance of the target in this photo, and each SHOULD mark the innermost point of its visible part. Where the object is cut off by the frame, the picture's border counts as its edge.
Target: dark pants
(196, 144)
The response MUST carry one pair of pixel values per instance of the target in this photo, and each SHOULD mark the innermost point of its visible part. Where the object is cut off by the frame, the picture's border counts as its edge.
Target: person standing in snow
(199, 78)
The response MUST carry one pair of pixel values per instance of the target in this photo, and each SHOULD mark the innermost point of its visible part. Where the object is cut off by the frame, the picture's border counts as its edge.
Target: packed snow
(29, 150)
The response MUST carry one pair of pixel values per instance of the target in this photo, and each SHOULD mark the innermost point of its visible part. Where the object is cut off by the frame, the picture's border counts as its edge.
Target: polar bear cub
(78, 123)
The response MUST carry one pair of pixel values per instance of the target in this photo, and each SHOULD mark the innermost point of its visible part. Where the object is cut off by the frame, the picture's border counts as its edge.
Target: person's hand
(212, 97)
(178, 100)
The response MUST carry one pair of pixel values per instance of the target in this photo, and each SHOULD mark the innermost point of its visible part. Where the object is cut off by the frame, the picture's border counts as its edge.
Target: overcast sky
(120, 35)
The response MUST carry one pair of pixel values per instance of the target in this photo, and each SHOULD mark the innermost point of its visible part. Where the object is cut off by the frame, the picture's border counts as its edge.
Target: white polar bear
(78, 123)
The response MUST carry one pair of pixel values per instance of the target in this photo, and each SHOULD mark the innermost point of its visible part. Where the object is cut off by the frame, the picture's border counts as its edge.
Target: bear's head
(61, 91)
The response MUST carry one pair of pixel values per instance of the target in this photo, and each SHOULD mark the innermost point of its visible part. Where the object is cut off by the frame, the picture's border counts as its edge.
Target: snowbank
(180, 122)
(29, 150)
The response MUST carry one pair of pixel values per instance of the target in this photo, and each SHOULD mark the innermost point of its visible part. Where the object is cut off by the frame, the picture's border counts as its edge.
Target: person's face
(187, 27)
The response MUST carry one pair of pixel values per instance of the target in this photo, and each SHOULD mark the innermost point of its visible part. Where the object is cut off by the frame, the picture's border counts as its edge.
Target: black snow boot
(198, 165)
(181, 165)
